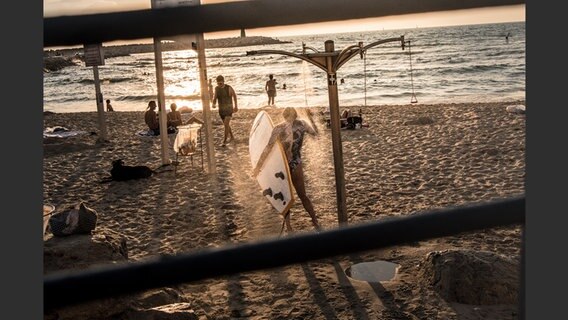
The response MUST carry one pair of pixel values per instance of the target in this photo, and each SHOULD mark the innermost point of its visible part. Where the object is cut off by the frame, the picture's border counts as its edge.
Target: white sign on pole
(94, 55)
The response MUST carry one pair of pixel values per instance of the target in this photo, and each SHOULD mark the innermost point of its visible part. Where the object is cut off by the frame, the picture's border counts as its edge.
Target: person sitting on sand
(109, 106)
(291, 134)
(151, 118)
(350, 121)
(174, 116)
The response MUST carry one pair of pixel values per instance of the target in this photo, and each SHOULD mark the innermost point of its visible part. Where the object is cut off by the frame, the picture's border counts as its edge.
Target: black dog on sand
(121, 172)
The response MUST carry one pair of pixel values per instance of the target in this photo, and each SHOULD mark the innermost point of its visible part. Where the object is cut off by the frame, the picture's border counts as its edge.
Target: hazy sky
(515, 13)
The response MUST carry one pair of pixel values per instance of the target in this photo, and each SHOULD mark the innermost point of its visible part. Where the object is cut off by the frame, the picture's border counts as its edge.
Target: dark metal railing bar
(68, 288)
(142, 24)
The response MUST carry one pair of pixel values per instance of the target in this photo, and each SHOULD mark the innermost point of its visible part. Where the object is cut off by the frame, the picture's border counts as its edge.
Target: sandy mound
(472, 277)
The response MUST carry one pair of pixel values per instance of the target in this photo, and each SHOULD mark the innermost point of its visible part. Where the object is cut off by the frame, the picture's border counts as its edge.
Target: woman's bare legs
(287, 223)
(298, 181)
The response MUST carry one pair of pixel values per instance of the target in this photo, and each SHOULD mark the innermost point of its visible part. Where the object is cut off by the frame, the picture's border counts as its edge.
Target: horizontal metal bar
(67, 288)
(141, 24)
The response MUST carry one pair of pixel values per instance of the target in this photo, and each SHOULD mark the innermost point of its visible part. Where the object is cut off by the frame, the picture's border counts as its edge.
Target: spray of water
(318, 167)
(307, 76)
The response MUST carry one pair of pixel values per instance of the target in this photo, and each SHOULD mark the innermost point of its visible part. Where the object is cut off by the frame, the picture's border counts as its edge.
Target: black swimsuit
(292, 140)
(225, 101)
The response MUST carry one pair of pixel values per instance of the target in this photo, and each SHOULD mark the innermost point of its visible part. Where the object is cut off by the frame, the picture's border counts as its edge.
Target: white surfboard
(274, 176)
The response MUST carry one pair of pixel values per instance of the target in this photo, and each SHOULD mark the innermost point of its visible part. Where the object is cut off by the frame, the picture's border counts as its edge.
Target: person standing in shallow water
(291, 134)
(227, 98)
(270, 88)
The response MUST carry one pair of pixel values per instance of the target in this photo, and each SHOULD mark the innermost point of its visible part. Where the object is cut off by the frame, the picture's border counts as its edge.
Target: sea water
(473, 63)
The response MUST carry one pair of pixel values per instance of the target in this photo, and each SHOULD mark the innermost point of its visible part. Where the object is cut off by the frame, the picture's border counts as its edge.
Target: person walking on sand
(270, 88)
(109, 106)
(227, 98)
(151, 118)
(291, 134)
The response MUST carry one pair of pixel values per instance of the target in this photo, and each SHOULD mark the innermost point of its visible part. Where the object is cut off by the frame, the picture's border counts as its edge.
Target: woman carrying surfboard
(291, 133)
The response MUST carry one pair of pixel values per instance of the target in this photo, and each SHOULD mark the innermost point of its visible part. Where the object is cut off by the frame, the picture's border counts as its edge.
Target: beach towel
(61, 132)
(146, 133)
(150, 133)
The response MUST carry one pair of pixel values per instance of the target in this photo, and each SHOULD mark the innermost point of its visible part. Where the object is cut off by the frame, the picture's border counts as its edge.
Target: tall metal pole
(336, 133)
(100, 106)
(161, 101)
(206, 103)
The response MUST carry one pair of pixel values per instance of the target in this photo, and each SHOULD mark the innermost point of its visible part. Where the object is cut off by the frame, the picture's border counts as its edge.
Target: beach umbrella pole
(206, 103)
(161, 101)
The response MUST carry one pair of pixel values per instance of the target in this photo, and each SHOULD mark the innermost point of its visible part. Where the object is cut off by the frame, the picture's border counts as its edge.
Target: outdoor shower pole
(330, 61)
(336, 133)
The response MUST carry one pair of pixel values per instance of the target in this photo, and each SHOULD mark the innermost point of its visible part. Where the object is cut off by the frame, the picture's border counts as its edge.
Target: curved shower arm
(348, 55)
(376, 43)
(304, 47)
(286, 53)
(344, 56)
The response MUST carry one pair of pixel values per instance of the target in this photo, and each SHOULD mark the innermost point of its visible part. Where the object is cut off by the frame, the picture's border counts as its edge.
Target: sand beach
(409, 159)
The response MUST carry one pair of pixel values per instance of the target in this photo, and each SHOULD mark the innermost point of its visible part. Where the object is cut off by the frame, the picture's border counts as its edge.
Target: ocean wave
(446, 62)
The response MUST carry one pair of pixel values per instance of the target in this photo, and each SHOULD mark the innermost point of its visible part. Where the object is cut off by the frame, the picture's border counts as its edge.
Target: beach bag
(78, 220)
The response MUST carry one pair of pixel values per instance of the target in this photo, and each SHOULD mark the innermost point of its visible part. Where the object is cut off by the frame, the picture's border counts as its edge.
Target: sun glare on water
(181, 79)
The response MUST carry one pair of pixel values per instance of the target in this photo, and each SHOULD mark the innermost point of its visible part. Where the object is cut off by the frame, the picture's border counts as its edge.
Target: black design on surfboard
(280, 175)
(279, 196)
(267, 192)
